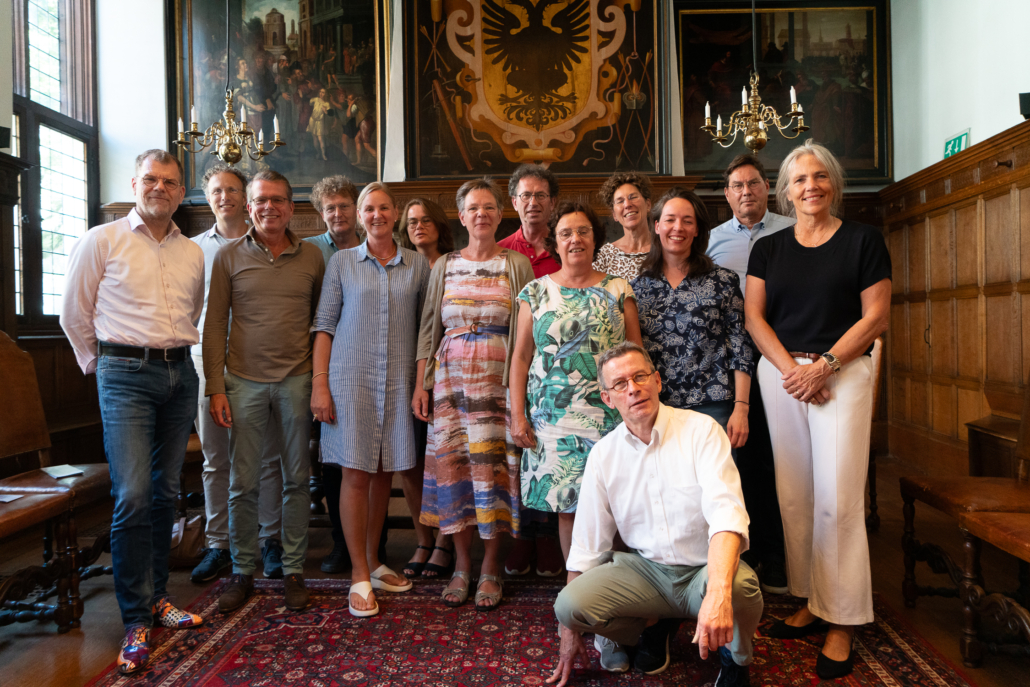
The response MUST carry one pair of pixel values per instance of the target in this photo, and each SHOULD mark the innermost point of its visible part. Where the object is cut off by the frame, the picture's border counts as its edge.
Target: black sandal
(440, 570)
(414, 568)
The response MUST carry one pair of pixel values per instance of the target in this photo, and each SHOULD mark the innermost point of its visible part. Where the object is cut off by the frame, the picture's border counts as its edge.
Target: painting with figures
(308, 65)
(833, 58)
(571, 84)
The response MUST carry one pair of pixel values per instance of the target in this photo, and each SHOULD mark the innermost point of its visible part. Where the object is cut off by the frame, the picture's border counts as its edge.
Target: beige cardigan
(520, 273)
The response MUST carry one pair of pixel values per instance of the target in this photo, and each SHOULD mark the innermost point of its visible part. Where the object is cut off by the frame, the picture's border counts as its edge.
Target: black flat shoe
(781, 630)
(414, 568)
(828, 669)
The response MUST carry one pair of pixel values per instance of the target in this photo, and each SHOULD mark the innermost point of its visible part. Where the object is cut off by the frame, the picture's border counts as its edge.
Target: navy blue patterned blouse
(695, 335)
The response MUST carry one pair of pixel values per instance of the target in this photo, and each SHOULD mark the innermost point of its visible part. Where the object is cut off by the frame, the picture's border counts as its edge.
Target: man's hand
(220, 411)
(572, 647)
(714, 622)
(420, 402)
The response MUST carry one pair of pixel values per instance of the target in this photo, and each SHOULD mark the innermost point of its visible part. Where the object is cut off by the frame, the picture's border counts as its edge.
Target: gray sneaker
(614, 658)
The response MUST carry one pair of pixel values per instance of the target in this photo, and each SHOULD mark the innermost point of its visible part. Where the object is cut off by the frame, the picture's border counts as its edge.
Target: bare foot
(457, 584)
(360, 604)
(838, 642)
(487, 587)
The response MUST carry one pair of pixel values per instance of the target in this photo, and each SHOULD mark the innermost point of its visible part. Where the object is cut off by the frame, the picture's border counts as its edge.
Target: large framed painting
(835, 56)
(312, 64)
(572, 84)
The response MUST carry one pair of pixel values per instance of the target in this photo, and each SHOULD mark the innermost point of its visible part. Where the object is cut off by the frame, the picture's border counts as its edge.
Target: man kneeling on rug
(663, 479)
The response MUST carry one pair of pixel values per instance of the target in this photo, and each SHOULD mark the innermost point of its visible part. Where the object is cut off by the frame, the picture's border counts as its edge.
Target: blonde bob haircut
(833, 168)
(370, 189)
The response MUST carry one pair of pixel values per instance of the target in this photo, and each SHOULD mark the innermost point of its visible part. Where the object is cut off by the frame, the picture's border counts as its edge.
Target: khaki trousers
(616, 599)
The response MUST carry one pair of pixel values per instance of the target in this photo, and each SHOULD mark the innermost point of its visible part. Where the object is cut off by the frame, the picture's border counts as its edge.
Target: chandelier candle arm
(754, 120)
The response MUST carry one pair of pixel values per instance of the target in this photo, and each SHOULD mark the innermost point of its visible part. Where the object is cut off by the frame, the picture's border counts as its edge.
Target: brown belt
(799, 354)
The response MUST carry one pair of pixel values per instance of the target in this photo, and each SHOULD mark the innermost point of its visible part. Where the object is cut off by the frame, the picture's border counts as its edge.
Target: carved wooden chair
(24, 430)
(957, 496)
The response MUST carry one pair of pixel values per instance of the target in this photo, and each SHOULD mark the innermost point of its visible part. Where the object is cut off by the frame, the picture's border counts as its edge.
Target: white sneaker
(614, 658)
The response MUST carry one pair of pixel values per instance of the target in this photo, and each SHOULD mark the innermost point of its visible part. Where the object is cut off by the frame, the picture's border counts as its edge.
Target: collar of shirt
(363, 254)
(661, 423)
(213, 234)
(137, 224)
(326, 239)
(252, 237)
(741, 227)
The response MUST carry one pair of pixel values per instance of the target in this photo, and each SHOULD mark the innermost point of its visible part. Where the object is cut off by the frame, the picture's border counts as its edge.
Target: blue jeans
(148, 408)
(287, 405)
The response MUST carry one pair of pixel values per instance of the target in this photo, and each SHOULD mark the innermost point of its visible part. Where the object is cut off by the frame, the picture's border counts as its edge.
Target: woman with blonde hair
(818, 295)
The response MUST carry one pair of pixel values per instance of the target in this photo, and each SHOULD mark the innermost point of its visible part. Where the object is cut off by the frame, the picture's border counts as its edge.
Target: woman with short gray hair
(818, 295)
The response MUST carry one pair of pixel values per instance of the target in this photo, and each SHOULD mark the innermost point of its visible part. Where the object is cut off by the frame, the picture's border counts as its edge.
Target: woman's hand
(522, 432)
(322, 402)
(804, 382)
(737, 427)
(420, 403)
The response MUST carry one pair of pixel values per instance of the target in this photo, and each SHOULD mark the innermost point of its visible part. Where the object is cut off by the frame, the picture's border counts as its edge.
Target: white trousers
(822, 457)
(214, 441)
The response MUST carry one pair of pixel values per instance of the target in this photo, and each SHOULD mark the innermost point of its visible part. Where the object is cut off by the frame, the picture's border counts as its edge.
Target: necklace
(388, 257)
(818, 243)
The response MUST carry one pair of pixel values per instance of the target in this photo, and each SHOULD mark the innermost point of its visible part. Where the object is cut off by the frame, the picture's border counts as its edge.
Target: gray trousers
(616, 599)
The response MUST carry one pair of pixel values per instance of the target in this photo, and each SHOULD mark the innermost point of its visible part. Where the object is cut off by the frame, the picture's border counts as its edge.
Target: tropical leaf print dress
(571, 329)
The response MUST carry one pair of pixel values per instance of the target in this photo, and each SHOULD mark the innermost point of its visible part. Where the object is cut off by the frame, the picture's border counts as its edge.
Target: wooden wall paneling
(899, 399)
(919, 402)
(918, 251)
(1001, 346)
(943, 335)
(999, 234)
(899, 260)
(899, 337)
(918, 335)
(966, 245)
(968, 351)
(943, 405)
(971, 406)
(942, 251)
(1024, 233)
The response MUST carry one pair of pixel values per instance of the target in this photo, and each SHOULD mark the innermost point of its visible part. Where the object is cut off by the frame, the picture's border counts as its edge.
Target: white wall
(956, 64)
(131, 89)
(6, 68)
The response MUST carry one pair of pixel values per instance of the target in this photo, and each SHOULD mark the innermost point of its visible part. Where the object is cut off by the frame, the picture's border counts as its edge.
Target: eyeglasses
(225, 191)
(632, 198)
(151, 182)
(274, 200)
(752, 185)
(582, 232)
(640, 379)
(539, 197)
(425, 221)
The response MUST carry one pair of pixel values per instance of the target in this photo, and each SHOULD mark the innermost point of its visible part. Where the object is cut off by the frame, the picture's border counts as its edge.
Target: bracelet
(744, 402)
(317, 374)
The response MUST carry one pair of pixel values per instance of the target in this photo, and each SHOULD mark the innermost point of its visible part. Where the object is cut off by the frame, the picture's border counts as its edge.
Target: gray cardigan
(520, 273)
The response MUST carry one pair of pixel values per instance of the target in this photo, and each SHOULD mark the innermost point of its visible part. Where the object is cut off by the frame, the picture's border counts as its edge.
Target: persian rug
(416, 640)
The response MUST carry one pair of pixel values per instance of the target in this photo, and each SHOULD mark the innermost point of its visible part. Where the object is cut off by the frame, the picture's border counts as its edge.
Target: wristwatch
(831, 360)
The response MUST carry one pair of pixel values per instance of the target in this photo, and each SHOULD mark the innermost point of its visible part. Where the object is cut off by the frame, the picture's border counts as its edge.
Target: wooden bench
(1010, 532)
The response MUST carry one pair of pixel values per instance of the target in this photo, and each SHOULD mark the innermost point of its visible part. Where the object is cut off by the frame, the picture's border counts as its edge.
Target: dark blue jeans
(148, 408)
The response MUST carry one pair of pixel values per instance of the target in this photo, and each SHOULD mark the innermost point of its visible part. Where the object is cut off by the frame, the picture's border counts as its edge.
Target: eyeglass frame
(151, 181)
(640, 379)
(539, 196)
(752, 185)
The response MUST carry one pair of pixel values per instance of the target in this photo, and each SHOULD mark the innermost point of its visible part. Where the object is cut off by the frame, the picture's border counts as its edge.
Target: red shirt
(543, 263)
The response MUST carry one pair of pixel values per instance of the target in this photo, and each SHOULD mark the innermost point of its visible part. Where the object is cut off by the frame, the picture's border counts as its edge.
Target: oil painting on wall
(310, 64)
(834, 58)
(567, 83)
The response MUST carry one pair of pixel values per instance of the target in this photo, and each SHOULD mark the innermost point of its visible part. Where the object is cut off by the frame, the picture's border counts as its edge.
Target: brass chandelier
(229, 138)
(754, 120)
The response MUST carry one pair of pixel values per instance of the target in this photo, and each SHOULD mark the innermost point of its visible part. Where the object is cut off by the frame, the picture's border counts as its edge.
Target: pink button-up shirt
(124, 287)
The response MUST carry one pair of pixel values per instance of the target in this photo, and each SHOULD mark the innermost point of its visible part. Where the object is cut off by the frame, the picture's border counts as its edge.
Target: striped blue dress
(373, 314)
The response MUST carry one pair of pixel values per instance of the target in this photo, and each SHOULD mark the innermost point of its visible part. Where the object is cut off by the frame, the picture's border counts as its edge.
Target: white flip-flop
(378, 583)
(361, 589)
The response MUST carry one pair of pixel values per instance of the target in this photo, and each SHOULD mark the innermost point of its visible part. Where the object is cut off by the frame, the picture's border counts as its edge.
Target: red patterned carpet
(416, 640)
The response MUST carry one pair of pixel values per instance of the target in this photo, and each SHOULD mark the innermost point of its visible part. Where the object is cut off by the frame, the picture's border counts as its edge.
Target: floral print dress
(571, 329)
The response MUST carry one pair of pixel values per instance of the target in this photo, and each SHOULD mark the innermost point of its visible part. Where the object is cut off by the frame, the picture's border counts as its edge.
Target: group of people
(550, 386)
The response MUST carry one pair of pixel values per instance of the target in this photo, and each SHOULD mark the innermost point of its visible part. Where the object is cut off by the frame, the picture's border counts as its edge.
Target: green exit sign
(956, 144)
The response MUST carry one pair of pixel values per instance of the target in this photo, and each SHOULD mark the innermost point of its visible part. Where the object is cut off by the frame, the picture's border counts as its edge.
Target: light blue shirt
(325, 244)
(730, 243)
(210, 241)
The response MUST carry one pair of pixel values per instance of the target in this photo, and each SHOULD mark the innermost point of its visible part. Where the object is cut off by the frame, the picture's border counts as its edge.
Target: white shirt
(666, 498)
(124, 287)
(730, 243)
(210, 242)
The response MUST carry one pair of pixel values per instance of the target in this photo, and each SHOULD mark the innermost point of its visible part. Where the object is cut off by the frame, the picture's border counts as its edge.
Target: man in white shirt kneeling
(663, 479)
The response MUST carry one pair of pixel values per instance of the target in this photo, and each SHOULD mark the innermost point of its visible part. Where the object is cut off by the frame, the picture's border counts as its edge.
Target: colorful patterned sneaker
(169, 616)
(135, 650)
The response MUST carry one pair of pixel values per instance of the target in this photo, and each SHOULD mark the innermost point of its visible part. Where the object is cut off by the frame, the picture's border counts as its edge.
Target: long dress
(571, 329)
(471, 478)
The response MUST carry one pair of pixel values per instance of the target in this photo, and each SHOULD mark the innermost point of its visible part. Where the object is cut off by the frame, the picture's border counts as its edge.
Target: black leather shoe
(828, 669)
(653, 649)
(211, 565)
(731, 675)
(337, 561)
(781, 630)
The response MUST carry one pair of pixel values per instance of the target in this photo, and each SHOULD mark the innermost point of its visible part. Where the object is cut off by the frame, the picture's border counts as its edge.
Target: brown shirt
(272, 303)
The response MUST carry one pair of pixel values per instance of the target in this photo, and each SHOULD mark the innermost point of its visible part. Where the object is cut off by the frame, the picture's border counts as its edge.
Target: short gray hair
(221, 168)
(618, 351)
(273, 176)
(482, 184)
(162, 156)
(821, 153)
